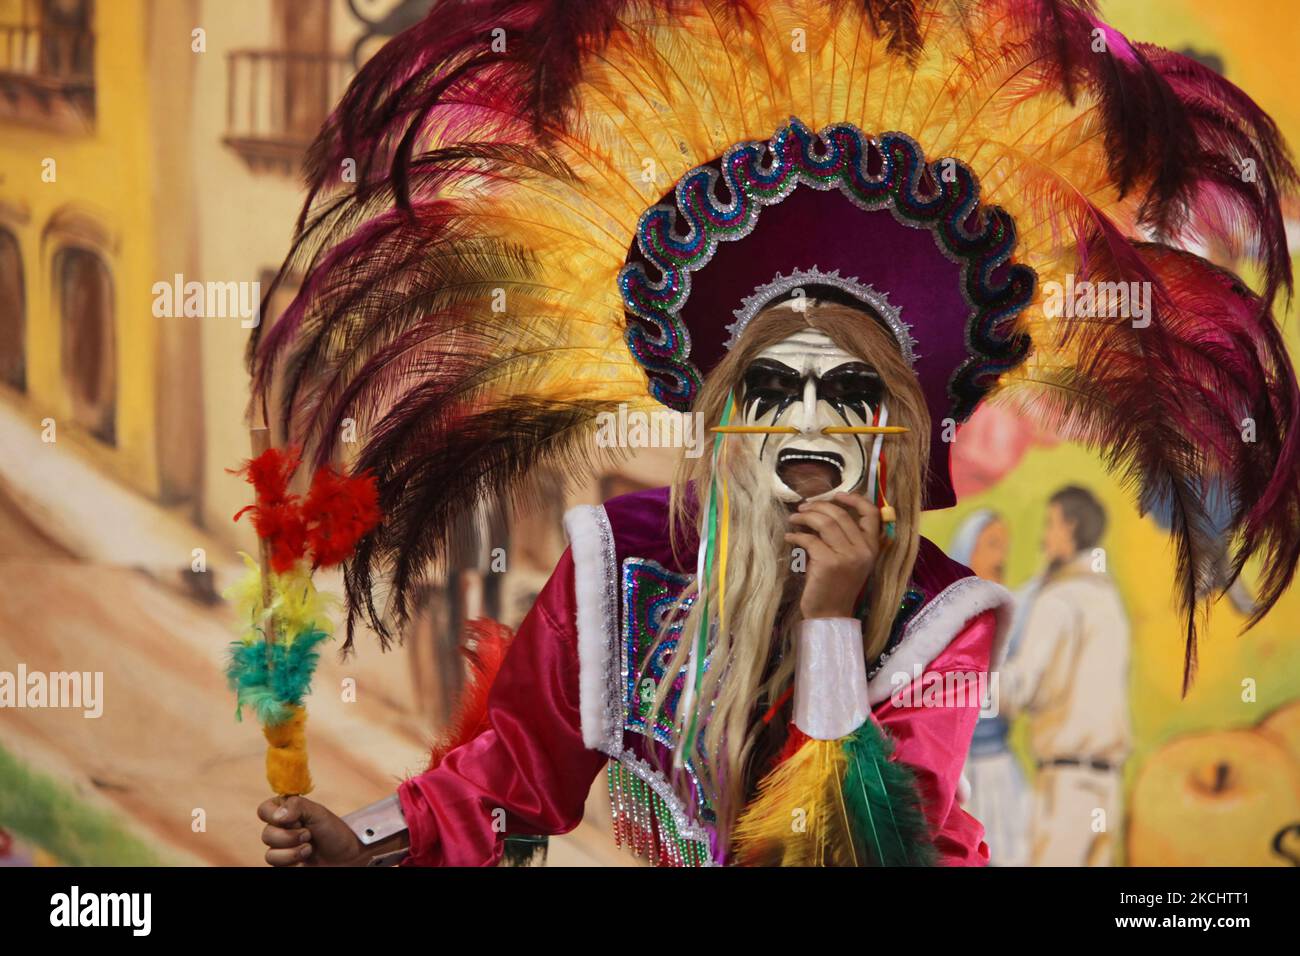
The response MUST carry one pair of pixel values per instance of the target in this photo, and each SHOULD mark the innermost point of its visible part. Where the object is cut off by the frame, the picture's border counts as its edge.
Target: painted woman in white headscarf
(998, 795)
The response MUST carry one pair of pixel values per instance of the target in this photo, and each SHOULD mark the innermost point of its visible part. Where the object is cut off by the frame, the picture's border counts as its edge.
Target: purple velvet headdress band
(858, 217)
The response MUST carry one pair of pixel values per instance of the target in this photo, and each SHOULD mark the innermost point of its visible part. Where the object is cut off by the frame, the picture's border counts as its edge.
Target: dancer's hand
(842, 540)
(301, 832)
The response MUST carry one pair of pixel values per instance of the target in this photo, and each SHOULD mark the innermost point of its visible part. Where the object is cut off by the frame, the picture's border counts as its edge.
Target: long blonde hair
(751, 662)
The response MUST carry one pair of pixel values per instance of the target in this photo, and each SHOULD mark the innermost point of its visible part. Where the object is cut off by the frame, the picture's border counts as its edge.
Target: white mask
(808, 382)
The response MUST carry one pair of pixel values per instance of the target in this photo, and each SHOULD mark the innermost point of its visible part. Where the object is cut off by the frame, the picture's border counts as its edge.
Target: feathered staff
(285, 618)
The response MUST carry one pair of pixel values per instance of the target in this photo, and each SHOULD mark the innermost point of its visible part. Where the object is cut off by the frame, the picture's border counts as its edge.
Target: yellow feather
(296, 605)
(798, 817)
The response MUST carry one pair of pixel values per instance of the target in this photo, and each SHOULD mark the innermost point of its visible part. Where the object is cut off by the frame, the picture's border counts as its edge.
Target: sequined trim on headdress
(759, 174)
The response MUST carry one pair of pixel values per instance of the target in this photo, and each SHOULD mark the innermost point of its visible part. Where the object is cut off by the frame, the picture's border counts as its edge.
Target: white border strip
(590, 539)
(938, 623)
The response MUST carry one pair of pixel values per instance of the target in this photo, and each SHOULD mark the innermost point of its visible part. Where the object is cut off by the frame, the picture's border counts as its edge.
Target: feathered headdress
(525, 213)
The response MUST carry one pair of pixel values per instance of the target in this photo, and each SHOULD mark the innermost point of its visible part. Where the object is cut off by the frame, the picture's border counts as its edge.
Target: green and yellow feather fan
(836, 803)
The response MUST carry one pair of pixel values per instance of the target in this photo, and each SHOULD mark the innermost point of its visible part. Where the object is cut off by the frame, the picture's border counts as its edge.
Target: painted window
(13, 314)
(84, 289)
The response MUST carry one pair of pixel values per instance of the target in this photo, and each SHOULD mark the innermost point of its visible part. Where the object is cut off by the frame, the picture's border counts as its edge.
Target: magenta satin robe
(530, 770)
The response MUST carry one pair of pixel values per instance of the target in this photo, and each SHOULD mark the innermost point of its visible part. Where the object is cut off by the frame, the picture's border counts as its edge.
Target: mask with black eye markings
(808, 383)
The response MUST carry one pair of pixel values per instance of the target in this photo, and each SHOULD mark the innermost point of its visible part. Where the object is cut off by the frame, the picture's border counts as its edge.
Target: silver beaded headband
(891, 315)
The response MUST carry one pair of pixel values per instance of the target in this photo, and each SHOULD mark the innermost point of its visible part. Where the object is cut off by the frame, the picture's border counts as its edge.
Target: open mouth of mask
(809, 473)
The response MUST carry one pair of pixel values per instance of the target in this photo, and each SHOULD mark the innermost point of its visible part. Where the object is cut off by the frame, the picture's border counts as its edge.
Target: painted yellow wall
(236, 223)
(245, 221)
(1258, 41)
(105, 174)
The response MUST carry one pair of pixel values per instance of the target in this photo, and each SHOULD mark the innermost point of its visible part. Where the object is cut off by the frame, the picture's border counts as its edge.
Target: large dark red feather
(1200, 406)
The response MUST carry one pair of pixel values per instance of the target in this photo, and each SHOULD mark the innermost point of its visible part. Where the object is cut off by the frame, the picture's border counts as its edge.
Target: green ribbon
(710, 547)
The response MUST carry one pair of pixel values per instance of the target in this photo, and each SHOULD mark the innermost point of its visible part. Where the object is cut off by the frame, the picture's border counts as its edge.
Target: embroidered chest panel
(650, 593)
(650, 819)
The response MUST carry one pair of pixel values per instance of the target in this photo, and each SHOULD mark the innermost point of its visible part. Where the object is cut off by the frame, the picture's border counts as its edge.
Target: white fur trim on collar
(595, 586)
(937, 623)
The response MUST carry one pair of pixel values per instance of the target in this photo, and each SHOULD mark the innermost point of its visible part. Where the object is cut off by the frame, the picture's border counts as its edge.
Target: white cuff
(830, 681)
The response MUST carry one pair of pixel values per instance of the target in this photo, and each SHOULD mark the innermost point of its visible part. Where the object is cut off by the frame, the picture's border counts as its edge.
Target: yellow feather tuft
(296, 605)
(799, 817)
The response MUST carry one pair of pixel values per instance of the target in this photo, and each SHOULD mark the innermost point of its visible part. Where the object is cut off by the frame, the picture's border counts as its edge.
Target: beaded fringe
(643, 822)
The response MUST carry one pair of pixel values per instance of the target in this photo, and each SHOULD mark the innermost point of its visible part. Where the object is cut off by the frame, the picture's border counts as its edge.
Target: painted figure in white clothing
(1070, 676)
